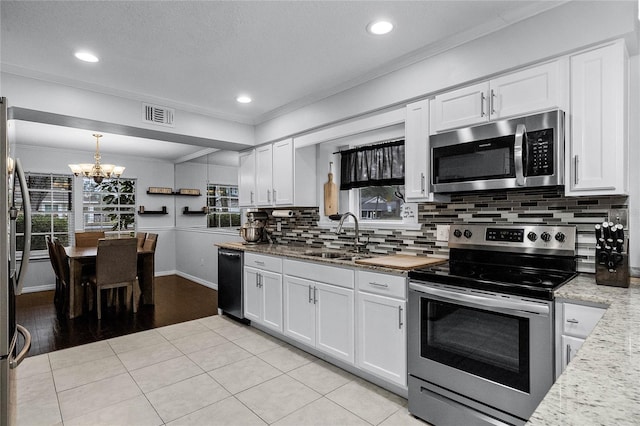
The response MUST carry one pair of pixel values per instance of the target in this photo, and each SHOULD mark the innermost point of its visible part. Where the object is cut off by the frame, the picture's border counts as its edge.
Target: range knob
(546, 237)
(467, 233)
(560, 237)
(457, 233)
(532, 236)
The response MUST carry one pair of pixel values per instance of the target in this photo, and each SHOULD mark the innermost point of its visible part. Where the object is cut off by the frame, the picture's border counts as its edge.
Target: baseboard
(205, 283)
(37, 288)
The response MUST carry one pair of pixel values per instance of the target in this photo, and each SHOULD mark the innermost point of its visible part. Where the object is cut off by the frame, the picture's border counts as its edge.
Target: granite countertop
(301, 252)
(601, 385)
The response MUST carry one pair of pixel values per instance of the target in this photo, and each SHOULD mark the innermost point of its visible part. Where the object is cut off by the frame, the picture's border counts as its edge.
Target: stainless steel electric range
(480, 328)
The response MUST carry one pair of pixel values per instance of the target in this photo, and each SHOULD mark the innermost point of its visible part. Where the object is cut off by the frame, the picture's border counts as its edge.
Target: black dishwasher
(230, 282)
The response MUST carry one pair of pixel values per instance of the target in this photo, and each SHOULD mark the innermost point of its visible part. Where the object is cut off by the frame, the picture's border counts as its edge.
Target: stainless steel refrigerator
(11, 276)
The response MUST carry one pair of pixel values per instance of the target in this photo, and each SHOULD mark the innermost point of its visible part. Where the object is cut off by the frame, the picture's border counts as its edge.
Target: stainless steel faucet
(357, 242)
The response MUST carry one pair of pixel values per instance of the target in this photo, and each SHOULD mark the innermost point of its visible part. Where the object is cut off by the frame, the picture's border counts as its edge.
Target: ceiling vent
(155, 114)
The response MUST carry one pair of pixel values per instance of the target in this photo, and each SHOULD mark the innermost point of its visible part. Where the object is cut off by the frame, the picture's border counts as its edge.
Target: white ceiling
(199, 55)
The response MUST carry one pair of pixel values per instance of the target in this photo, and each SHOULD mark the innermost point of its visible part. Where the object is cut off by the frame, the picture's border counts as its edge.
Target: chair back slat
(150, 242)
(116, 261)
(88, 238)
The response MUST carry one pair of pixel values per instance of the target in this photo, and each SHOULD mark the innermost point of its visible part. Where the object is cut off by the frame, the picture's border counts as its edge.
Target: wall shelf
(169, 191)
(142, 211)
(194, 212)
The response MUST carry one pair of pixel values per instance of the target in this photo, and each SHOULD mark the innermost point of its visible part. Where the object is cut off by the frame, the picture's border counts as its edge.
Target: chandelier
(97, 171)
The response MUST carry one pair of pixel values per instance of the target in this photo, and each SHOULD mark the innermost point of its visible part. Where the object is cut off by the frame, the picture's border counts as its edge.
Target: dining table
(81, 256)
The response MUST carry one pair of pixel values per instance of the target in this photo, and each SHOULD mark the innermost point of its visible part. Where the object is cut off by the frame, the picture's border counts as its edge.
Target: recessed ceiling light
(380, 27)
(243, 99)
(86, 56)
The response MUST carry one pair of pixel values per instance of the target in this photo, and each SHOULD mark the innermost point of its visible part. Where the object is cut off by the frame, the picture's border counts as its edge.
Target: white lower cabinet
(574, 322)
(263, 291)
(319, 314)
(381, 326)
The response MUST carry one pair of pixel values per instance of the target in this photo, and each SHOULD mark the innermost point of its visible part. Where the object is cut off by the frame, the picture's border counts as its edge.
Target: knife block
(613, 269)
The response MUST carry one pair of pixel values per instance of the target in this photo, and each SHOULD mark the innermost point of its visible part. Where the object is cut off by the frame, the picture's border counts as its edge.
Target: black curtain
(372, 165)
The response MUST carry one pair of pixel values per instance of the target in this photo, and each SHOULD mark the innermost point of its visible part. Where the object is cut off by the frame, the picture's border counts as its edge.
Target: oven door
(490, 348)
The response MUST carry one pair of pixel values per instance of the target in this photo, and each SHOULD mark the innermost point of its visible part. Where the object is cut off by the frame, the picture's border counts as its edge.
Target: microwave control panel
(539, 152)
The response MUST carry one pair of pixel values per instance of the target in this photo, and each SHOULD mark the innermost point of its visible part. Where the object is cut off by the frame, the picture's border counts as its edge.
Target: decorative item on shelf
(187, 191)
(194, 212)
(160, 190)
(142, 210)
(97, 171)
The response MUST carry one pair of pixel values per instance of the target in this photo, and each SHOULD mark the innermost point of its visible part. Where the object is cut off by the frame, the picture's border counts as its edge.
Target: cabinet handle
(568, 354)
(259, 262)
(576, 161)
(481, 104)
(422, 182)
(310, 296)
(315, 295)
(492, 103)
(268, 195)
(251, 197)
(400, 324)
(573, 321)
(378, 284)
(274, 195)
(258, 280)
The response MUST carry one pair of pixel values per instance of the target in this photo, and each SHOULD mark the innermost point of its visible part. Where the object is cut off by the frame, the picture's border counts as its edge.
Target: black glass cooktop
(505, 273)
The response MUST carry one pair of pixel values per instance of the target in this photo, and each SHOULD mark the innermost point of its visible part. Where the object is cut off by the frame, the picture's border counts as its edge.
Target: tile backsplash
(535, 206)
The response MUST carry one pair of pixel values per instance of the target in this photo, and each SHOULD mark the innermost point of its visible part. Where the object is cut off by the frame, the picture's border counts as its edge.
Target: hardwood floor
(177, 300)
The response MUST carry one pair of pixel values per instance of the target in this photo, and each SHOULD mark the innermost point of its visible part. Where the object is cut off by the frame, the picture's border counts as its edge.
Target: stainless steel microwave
(515, 153)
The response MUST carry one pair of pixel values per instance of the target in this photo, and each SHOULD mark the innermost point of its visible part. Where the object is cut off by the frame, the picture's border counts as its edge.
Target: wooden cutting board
(401, 261)
(330, 197)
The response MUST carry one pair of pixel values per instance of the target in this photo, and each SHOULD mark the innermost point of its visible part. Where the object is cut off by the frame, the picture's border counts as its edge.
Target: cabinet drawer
(321, 273)
(579, 320)
(383, 284)
(267, 263)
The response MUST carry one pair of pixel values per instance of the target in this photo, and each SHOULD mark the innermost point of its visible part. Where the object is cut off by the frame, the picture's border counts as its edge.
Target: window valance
(372, 165)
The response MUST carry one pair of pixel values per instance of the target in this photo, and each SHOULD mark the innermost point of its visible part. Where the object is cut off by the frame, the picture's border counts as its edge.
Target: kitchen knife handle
(518, 154)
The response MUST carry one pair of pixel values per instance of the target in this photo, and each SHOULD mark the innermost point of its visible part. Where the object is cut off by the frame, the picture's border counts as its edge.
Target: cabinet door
(416, 151)
(299, 310)
(264, 176)
(283, 172)
(570, 346)
(252, 295)
(271, 286)
(597, 163)
(335, 321)
(462, 107)
(382, 337)
(531, 90)
(246, 178)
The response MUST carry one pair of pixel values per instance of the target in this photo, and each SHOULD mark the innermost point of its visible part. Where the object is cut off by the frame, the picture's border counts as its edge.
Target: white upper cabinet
(597, 148)
(530, 90)
(246, 178)
(283, 172)
(264, 175)
(416, 152)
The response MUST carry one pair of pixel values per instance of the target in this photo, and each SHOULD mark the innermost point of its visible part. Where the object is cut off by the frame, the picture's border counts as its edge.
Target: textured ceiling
(199, 55)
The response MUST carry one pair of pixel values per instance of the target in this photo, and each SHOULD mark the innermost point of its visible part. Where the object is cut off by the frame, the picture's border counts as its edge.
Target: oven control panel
(517, 238)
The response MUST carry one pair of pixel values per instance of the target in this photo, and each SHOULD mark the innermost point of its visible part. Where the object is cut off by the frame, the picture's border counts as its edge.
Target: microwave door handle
(518, 154)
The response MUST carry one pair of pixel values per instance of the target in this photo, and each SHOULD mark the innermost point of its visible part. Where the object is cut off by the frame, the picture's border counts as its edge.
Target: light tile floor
(210, 371)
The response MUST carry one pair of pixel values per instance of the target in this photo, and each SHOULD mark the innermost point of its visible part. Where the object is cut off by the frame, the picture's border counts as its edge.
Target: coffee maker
(254, 231)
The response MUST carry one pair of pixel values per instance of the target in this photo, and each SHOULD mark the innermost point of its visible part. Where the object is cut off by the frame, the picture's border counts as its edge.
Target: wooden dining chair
(62, 261)
(53, 258)
(116, 266)
(88, 238)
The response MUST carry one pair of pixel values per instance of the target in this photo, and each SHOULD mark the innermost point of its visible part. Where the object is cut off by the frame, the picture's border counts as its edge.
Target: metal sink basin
(325, 254)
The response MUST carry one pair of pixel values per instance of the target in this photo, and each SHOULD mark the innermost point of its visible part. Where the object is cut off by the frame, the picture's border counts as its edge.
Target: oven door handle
(482, 301)
(521, 133)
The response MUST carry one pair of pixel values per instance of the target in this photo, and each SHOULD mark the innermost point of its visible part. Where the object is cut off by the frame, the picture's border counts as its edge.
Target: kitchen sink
(336, 255)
